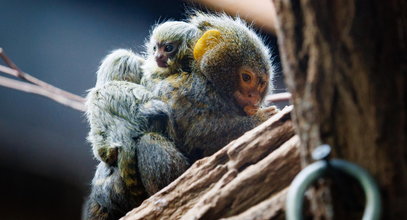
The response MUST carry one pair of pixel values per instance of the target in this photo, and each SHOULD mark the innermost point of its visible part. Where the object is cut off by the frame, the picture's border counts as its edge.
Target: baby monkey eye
(154, 48)
(169, 48)
(246, 77)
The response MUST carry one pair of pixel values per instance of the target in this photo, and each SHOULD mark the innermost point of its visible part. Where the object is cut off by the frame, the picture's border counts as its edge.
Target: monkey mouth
(161, 63)
(250, 109)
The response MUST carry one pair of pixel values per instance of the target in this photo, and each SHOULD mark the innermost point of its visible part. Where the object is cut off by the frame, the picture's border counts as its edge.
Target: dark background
(46, 165)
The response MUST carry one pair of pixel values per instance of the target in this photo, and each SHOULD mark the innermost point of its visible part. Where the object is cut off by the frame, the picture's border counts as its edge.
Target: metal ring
(295, 196)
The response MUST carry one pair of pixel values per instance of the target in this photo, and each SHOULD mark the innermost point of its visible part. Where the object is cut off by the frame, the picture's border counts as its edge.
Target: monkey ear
(208, 40)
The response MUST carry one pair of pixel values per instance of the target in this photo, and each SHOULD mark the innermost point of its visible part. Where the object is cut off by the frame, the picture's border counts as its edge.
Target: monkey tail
(127, 164)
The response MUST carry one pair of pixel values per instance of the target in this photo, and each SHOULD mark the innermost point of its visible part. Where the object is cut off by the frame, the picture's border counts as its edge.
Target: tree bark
(345, 63)
(247, 179)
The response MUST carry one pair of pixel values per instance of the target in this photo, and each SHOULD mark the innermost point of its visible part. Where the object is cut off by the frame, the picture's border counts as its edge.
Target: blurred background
(46, 164)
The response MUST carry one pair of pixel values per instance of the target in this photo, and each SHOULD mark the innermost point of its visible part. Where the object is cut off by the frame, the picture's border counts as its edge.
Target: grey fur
(198, 109)
(238, 27)
(128, 127)
(181, 32)
(120, 65)
(206, 114)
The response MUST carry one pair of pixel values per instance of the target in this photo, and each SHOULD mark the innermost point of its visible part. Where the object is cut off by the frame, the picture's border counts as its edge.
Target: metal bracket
(316, 170)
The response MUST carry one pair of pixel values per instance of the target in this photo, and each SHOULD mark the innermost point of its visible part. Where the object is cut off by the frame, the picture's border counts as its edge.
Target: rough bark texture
(271, 208)
(345, 64)
(247, 179)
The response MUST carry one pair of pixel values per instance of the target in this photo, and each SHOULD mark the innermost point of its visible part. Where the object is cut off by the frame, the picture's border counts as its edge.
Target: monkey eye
(246, 77)
(168, 48)
(154, 48)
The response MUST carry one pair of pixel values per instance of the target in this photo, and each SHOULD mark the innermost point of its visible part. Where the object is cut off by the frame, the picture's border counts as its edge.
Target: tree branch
(271, 208)
(251, 171)
(30, 88)
(25, 76)
(38, 87)
(278, 97)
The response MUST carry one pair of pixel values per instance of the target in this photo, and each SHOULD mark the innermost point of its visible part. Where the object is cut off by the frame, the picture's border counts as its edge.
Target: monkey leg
(128, 169)
(109, 197)
(159, 161)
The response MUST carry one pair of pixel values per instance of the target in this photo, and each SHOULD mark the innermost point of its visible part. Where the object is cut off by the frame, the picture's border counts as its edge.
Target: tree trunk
(345, 63)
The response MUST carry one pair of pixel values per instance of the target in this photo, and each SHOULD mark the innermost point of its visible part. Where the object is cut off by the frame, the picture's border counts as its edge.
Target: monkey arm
(211, 131)
(120, 111)
(133, 103)
(119, 98)
(112, 114)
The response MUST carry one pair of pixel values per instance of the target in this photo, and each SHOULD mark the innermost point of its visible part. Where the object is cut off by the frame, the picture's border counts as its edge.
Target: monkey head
(169, 48)
(250, 89)
(236, 61)
(165, 51)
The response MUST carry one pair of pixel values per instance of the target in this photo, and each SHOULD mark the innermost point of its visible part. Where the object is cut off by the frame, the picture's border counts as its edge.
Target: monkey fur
(116, 190)
(118, 187)
(124, 65)
(181, 38)
(129, 137)
(127, 68)
(214, 104)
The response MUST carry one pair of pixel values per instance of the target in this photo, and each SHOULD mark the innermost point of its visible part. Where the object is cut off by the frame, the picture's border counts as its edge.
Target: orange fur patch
(208, 40)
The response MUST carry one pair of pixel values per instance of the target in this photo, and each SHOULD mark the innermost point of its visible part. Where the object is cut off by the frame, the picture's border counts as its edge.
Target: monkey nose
(161, 62)
(253, 98)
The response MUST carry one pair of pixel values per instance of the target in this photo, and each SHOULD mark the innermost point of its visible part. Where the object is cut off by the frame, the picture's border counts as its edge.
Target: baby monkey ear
(208, 40)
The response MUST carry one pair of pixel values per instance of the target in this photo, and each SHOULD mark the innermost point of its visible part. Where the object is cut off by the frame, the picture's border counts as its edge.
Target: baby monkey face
(163, 51)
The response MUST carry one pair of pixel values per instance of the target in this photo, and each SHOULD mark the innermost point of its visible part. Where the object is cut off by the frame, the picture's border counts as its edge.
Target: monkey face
(164, 51)
(250, 90)
(236, 64)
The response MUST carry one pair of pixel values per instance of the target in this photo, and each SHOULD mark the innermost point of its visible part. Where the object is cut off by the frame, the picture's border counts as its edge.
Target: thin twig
(30, 88)
(25, 76)
(279, 97)
(11, 64)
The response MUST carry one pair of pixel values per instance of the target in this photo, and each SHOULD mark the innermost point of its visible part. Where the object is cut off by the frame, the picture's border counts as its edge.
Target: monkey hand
(266, 112)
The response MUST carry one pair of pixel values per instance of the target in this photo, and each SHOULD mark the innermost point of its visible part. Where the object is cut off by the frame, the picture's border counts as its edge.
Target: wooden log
(238, 191)
(246, 172)
(271, 208)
